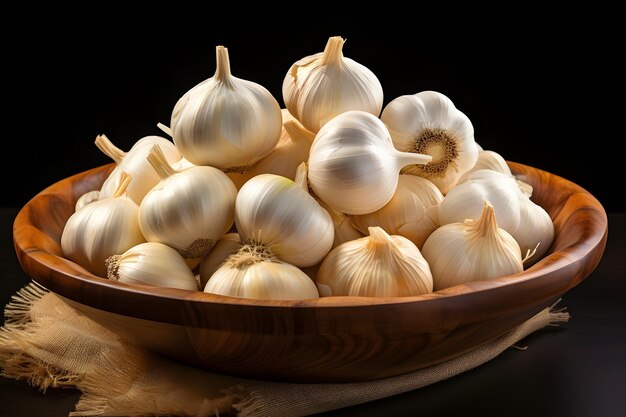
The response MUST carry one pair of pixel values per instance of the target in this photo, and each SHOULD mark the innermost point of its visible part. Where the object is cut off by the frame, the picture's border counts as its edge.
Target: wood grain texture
(330, 339)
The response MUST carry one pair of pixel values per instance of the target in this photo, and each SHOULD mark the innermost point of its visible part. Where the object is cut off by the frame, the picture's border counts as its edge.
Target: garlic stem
(222, 72)
(297, 132)
(486, 224)
(159, 162)
(333, 54)
(380, 240)
(165, 129)
(123, 185)
(106, 146)
(408, 158)
(301, 179)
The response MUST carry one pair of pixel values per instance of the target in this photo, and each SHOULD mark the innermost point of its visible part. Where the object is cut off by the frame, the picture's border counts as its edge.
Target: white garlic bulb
(353, 166)
(292, 149)
(535, 231)
(228, 244)
(135, 164)
(378, 265)
(429, 123)
(255, 273)
(88, 197)
(488, 160)
(412, 212)
(322, 86)
(274, 212)
(103, 228)
(226, 122)
(152, 264)
(189, 209)
(467, 200)
(476, 249)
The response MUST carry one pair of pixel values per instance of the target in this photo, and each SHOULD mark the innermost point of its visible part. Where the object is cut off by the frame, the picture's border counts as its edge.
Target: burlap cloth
(49, 344)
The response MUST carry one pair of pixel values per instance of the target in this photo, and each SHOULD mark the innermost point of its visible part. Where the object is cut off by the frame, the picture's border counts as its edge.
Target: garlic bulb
(152, 264)
(428, 123)
(488, 160)
(412, 211)
(378, 265)
(255, 273)
(228, 244)
(476, 249)
(135, 164)
(353, 166)
(88, 197)
(322, 86)
(103, 228)
(189, 209)
(226, 122)
(276, 213)
(466, 201)
(292, 149)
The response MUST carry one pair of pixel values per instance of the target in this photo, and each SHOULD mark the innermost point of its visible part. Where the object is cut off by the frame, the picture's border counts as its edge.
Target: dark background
(539, 89)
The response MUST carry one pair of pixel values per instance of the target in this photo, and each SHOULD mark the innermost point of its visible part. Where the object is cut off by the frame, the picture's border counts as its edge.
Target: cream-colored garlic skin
(188, 210)
(488, 160)
(135, 164)
(88, 197)
(101, 229)
(255, 273)
(153, 264)
(353, 166)
(226, 122)
(322, 86)
(429, 123)
(229, 244)
(476, 249)
(467, 200)
(535, 228)
(412, 212)
(276, 212)
(378, 265)
(292, 149)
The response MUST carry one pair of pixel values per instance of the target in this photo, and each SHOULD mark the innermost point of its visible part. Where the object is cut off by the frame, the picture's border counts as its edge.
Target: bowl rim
(33, 258)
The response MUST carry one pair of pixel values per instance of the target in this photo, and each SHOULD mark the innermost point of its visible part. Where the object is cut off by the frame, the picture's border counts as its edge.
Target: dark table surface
(577, 369)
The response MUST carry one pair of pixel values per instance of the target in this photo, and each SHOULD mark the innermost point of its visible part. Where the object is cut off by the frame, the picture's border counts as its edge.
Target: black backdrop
(537, 91)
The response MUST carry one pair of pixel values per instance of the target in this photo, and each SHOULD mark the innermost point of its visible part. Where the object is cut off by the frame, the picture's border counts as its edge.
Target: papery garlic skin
(476, 249)
(292, 149)
(429, 123)
(153, 264)
(412, 212)
(188, 210)
(378, 265)
(274, 211)
(88, 197)
(101, 229)
(535, 232)
(228, 244)
(466, 200)
(255, 273)
(488, 160)
(226, 122)
(353, 166)
(135, 164)
(322, 86)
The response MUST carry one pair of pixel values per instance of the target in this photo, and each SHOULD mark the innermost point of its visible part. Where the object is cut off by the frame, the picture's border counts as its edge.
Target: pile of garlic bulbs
(328, 197)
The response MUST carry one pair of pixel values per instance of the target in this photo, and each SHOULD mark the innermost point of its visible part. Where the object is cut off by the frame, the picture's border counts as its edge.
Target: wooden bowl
(330, 339)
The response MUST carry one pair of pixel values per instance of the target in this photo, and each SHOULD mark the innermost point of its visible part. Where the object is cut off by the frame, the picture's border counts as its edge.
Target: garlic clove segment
(188, 210)
(226, 122)
(135, 164)
(254, 272)
(353, 166)
(102, 228)
(488, 160)
(378, 265)
(88, 197)
(322, 86)
(275, 212)
(228, 244)
(429, 123)
(411, 212)
(476, 249)
(153, 264)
